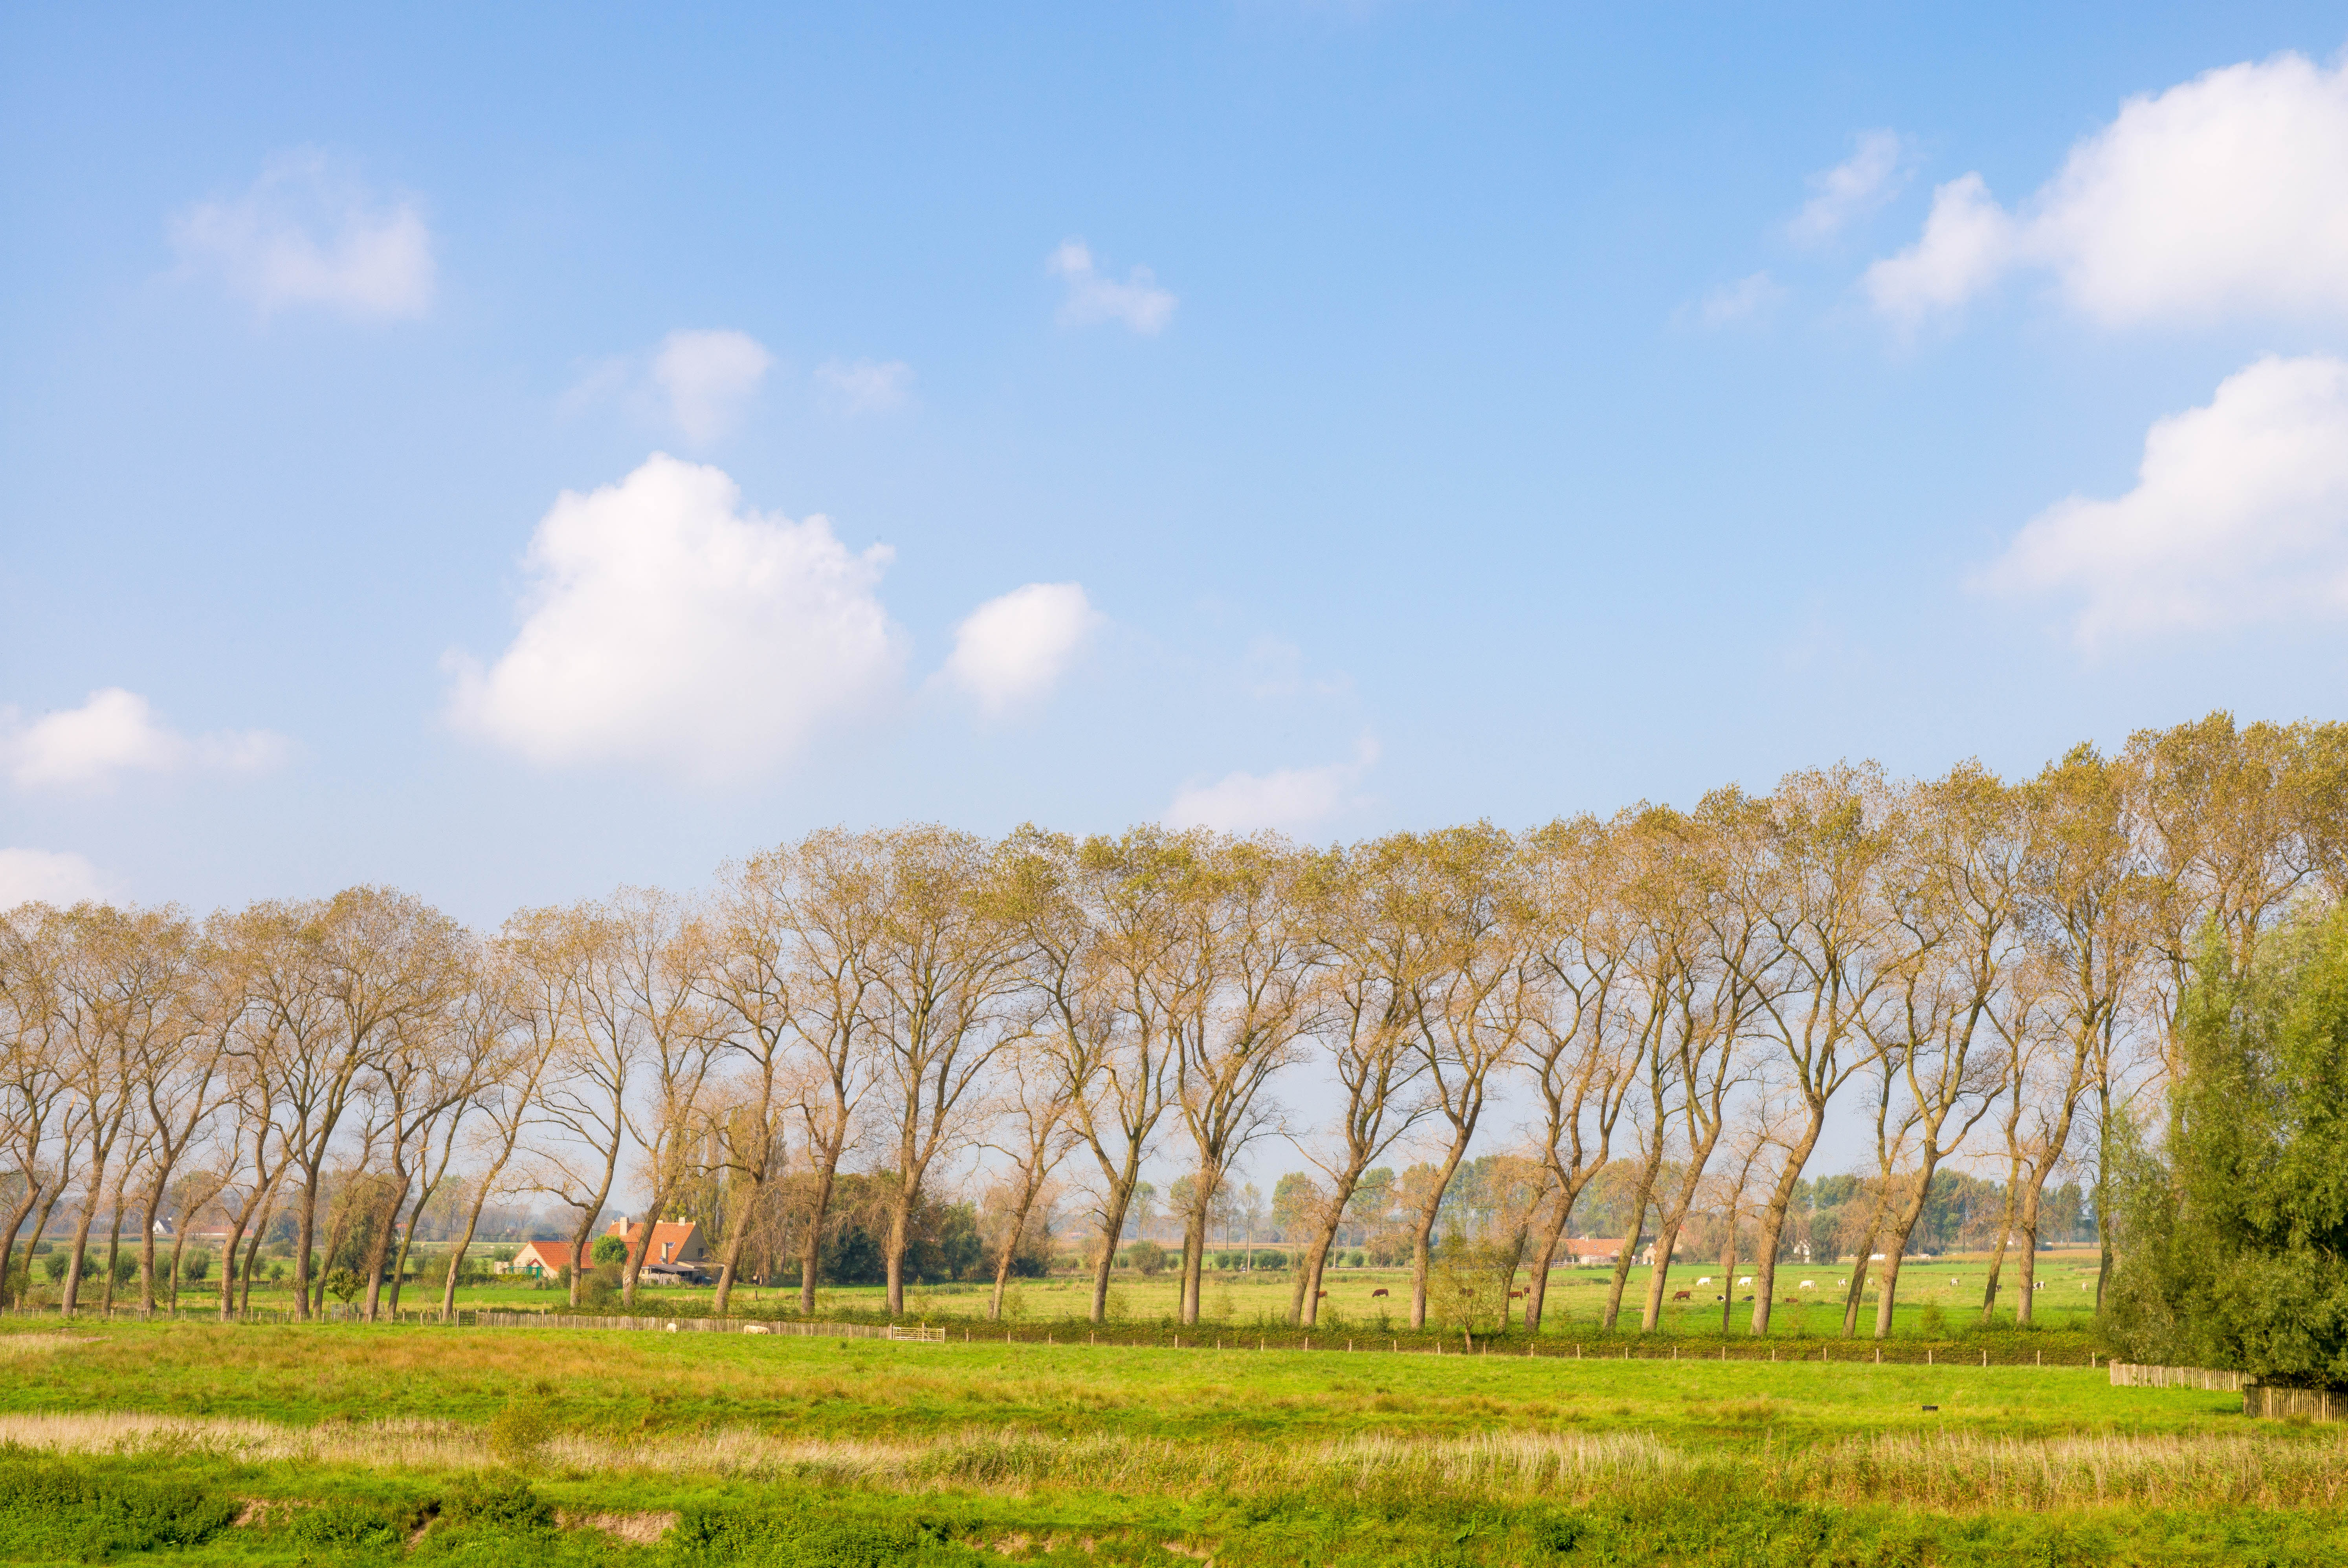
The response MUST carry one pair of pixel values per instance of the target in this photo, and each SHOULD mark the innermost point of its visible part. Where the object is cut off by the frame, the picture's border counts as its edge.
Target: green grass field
(321, 1443)
(1950, 1288)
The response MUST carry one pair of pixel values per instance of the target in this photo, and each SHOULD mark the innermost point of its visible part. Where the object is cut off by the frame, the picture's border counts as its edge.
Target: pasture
(1939, 1296)
(376, 1443)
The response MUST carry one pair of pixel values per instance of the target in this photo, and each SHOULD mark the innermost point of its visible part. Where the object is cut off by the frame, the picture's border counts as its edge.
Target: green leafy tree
(2233, 1249)
(608, 1249)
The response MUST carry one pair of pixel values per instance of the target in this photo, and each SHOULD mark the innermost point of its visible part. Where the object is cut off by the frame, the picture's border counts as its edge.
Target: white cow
(1748, 1279)
(1808, 1285)
(1706, 1281)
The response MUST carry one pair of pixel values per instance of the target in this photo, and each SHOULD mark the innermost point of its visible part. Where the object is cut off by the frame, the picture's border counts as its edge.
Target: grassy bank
(355, 1443)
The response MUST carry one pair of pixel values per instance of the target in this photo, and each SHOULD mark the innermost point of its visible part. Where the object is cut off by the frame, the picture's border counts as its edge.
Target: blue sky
(1330, 418)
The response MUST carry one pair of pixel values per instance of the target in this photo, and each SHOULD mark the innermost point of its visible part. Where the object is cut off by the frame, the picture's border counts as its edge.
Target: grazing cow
(1514, 1294)
(1679, 1295)
(1808, 1285)
(1720, 1298)
(1381, 1290)
(1744, 1299)
(1792, 1301)
(1745, 1279)
(1318, 1294)
(1706, 1281)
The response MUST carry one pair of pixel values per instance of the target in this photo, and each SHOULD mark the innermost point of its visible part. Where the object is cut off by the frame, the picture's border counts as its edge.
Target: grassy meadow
(1940, 1298)
(198, 1441)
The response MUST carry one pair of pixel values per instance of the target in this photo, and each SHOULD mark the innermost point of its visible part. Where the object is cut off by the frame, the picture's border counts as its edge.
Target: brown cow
(1681, 1295)
(1381, 1290)
(1318, 1294)
(1514, 1294)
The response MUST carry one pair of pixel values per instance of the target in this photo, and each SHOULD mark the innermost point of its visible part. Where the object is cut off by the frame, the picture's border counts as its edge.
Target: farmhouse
(540, 1259)
(674, 1244)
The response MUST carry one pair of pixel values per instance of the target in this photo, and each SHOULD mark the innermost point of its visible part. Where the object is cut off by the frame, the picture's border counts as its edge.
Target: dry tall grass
(1952, 1474)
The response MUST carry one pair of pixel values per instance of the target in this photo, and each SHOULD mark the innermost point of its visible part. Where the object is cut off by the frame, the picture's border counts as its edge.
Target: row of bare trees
(1690, 996)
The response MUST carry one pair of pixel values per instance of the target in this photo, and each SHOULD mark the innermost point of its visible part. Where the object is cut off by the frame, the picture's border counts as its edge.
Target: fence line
(2126, 1375)
(1834, 1352)
(2279, 1402)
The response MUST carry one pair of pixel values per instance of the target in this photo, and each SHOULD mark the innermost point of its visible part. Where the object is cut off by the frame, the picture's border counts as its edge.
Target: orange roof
(668, 1233)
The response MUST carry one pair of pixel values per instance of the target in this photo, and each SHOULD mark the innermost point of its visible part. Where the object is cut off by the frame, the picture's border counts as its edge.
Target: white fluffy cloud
(1139, 302)
(1014, 649)
(668, 625)
(2239, 514)
(116, 732)
(308, 233)
(1289, 800)
(708, 378)
(866, 386)
(2226, 194)
(1853, 189)
(48, 876)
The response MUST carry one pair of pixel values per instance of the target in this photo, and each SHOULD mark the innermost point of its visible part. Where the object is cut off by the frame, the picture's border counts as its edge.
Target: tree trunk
(70, 1302)
(1308, 1310)
(146, 1242)
(811, 1245)
(113, 1253)
(1010, 1248)
(8, 1248)
(901, 1224)
(2024, 1303)
(1896, 1247)
(1614, 1287)
(1112, 1230)
(379, 1249)
(1772, 1222)
(1422, 1235)
(1667, 1242)
(305, 1238)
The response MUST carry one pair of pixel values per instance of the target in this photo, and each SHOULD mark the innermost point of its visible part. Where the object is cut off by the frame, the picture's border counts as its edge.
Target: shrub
(1147, 1256)
(500, 1503)
(517, 1432)
(2235, 1253)
(343, 1285)
(60, 1512)
(345, 1524)
(608, 1249)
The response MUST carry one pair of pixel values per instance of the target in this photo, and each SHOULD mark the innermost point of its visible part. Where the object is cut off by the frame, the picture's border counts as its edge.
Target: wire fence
(1842, 1352)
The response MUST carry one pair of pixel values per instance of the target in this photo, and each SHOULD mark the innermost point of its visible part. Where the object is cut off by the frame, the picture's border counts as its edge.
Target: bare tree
(32, 1072)
(794, 972)
(1820, 889)
(1582, 1060)
(1035, 1103)
(1240, 1014)
(947, 962)
(663, 959)
(1959, 913)
(1378, 950)
(575, 959)
(1471, 1015)
(515, 1025)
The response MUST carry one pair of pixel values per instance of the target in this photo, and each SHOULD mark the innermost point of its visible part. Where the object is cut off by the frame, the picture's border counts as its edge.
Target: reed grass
(1954, 1473)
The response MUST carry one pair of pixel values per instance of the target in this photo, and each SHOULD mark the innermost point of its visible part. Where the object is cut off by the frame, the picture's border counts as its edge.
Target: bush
(517, 1432)
(608, 1249)
(1147, 1256)
(345, 1524)
(343, 1285)
(56, 1511)
(195, 1265)
(2235, 1253)
(500, 1503)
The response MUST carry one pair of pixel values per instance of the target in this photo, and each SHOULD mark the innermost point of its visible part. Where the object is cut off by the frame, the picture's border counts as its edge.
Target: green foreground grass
(322, 1443)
